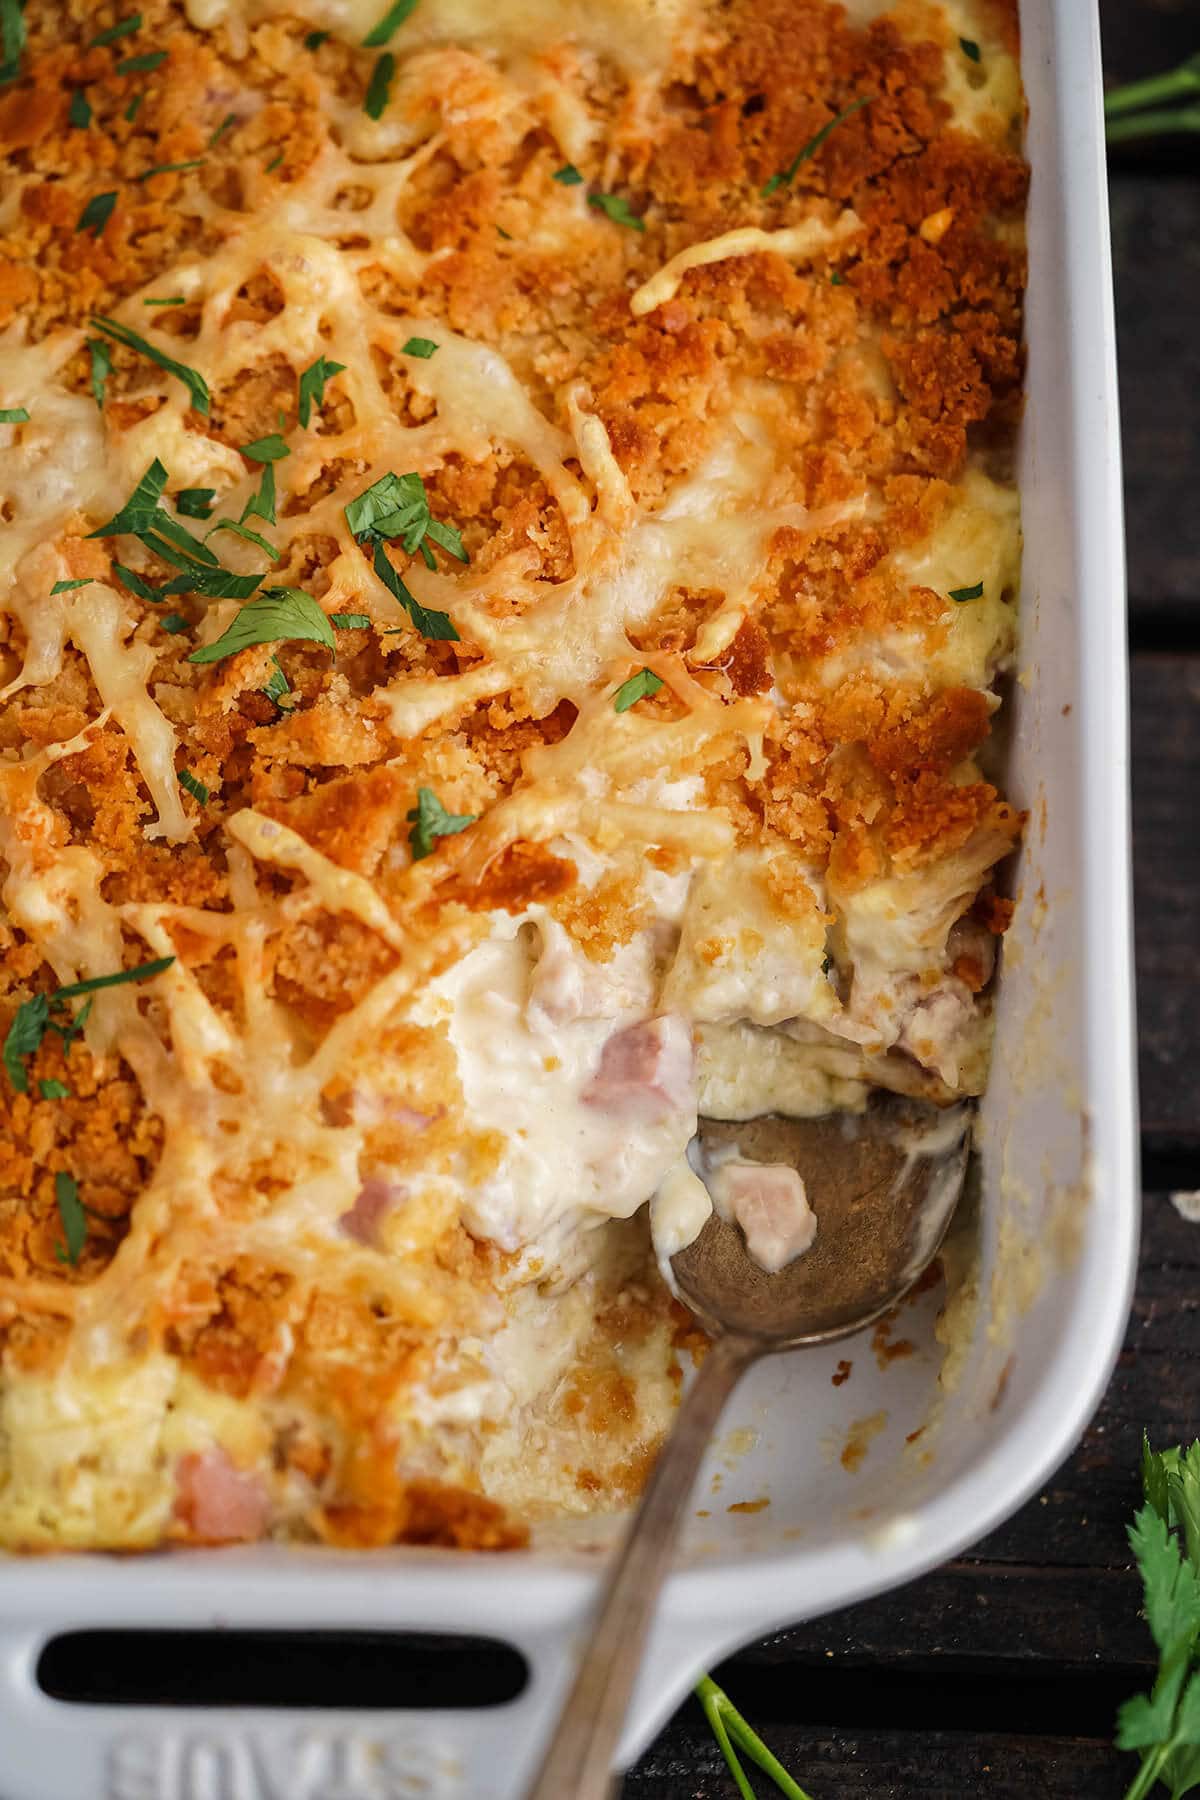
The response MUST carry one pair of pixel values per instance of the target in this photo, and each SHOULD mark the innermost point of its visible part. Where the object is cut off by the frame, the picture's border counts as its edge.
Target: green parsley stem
(710, 1697)
(728, 1724)
(1126, 129)
(1148, 1774)
(1154, 90)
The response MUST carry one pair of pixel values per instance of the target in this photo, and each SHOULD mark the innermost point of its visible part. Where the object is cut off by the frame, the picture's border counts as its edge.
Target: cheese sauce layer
(507, 545)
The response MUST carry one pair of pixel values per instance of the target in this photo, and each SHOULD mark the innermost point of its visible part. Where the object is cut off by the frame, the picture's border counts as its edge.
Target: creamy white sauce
(526, 1081)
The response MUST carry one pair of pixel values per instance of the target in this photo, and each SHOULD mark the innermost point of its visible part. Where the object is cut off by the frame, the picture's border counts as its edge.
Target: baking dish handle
(51, 1749)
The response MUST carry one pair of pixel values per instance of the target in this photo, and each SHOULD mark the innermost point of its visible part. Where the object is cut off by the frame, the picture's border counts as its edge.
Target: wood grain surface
(999, 1675)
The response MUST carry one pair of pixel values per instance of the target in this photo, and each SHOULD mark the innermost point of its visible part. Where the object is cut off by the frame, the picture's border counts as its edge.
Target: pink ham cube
(375, 1199)
(646, 1072)
(768, 1201)
(217, 1502)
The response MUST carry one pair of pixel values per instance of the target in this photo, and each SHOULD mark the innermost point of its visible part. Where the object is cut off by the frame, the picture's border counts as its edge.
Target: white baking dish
(1058, 1236)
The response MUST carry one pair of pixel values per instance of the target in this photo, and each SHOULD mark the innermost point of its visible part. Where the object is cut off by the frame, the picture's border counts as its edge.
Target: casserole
(1058, 1234)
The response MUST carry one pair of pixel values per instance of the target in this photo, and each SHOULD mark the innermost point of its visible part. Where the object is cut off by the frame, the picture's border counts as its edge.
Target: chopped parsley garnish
(53, 1090)
(418, 346)
(350, 621)
(174, 622)
(74, 1219)
(261, 504)
(192, 785)
(142, 517)
(970, 48)
(312, 385)
(827, 965)
(64, 587)
(134, 108)
(616, 207)
(397, 506)
(568, 175)
(97, 213)
(222, 128)
(315, 39)
(244, 531)
(429, 820)
(68, 1033)
(176, 168)
(30, 1023)
(213, 581)
(191, 379)
(270, 168)
(783, 177)
(138, 585)
(155, 528)
(79, 112)
(636, 688)
(277, 686)
(141, 65)
(837, 279)
(122, 28)
(278, 614)
(391, 21)
(34, 1018)
(971, 593)
(12, 39)
(195, 503)
(101, 368)
(506, 235)
(438, 626)
(13, 415)
(168, 300)
(379, 86)
(266, 449)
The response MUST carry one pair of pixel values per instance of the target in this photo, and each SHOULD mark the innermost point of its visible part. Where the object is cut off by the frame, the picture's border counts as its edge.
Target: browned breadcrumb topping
(861, 777)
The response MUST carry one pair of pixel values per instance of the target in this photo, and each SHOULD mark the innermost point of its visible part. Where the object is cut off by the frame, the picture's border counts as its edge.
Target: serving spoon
(883, 1185)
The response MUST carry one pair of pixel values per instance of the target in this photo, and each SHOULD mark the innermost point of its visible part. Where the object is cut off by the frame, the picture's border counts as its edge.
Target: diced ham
(768, 1201)
(646, 1073)
(217, 1502)
(376, 1198)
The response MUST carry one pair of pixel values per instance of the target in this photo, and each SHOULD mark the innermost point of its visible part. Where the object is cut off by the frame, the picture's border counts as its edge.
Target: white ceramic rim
(709, 1610)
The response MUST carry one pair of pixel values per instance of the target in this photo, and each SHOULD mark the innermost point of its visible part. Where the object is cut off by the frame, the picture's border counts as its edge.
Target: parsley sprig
(1164, 1725)
(35, 1017)
(397, 506)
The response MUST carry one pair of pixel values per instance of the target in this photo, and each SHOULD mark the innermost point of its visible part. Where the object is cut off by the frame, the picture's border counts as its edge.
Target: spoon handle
(579, 1760)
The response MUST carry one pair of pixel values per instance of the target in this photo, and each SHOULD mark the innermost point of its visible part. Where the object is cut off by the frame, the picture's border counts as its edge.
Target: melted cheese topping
(356, 1159)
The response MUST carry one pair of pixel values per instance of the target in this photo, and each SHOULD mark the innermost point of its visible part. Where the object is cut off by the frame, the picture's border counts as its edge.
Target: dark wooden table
(1000, 1674)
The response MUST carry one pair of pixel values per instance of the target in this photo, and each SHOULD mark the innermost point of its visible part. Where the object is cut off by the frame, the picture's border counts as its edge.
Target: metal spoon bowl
(883, 1185)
